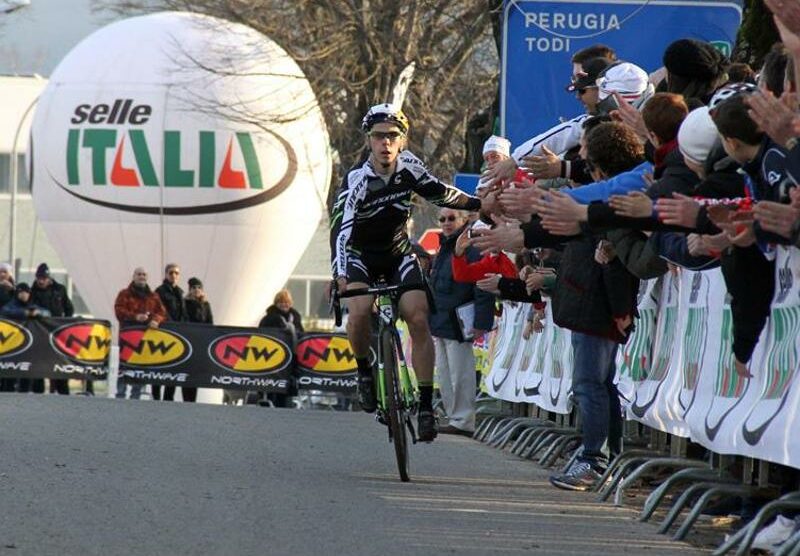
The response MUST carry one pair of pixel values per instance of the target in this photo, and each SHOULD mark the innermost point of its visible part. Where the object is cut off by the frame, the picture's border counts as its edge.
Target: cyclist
(369, 239)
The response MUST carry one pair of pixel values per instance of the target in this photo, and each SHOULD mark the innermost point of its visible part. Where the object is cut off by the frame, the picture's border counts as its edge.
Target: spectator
(281, 314)
(741, 73)
(773, 71)
(22, 307)
(198, 309)
(138, 304)
(597, 302)
(171, 296)
(455, 361)
(51, 295)
(695, 69)
(6, 295)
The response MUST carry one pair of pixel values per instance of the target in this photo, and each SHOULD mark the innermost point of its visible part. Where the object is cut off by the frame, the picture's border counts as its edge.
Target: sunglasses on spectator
(582, 90)
(450, 218)
(392, 136)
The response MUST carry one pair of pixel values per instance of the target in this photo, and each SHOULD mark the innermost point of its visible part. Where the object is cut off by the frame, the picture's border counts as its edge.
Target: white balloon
(178, 137)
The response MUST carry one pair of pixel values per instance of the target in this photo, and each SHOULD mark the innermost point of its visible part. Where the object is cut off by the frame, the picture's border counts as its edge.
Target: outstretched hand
(505, 235)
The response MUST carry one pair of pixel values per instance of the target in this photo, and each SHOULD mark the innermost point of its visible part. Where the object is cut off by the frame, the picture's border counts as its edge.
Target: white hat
(697, 135)
(629, 80)
(497, 144)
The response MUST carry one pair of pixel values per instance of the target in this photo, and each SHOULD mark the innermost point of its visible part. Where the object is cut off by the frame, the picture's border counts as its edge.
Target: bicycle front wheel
(396, 413)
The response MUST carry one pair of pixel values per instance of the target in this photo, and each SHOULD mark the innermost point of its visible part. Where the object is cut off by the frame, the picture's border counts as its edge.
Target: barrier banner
(768, 415)
(556, 387)
(634, 359)
(501, 379)
(55, 348)
(206, 356)
(656, 400)
(325, 362)
(537, 370)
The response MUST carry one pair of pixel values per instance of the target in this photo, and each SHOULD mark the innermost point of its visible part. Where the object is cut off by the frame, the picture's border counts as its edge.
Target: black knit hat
(23, 287)
(43, 271)
(694, 59)
(195, 282)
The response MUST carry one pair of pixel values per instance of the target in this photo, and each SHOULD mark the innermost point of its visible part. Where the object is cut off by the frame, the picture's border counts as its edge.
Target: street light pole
(13, 173)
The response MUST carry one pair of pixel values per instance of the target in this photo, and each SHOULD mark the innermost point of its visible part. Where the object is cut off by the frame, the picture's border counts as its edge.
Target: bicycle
(396, 385)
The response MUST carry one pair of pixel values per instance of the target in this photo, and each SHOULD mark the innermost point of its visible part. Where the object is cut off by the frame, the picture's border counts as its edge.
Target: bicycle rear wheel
(395, 411)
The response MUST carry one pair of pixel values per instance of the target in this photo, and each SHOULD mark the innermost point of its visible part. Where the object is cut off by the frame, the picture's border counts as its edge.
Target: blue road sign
(540, 37)
(467, 183)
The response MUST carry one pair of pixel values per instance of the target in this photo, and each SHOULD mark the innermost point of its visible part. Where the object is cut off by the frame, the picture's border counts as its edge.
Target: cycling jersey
(370, 215)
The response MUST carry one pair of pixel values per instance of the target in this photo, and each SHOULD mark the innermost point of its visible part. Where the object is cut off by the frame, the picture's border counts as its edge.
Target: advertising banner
(55, 348)
(325, 362)
(200, 355)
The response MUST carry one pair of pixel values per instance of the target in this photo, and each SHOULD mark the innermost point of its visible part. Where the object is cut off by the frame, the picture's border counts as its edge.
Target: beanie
(697, 135)
(43, 271)
(497, 144)
(195, 282)
(23, 287)
(694, 59)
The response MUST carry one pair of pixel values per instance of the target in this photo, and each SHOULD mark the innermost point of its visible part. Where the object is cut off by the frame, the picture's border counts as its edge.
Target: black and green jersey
(370, 215)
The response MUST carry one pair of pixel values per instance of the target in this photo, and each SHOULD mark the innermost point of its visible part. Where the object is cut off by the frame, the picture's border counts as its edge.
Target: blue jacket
(449, 294)
(620, 184)
(15, 308)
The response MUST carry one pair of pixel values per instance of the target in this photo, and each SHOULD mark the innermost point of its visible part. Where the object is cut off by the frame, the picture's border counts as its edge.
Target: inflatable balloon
(177, 137)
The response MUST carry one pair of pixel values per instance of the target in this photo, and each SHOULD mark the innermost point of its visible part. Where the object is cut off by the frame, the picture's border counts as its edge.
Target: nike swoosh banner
(676, 373)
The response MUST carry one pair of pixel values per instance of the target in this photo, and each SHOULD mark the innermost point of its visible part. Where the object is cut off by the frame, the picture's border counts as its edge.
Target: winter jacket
(750, 279)
(671, 174)
(275, 318)
(621, 184)
(589, 296)
(767, 180)
(198, 311)
(132, 301)
(559, 139)
(464, 271)
(6, 293)
(514, 289)
(17, 309)
(449, 294)
(172, 298)
(53, 298)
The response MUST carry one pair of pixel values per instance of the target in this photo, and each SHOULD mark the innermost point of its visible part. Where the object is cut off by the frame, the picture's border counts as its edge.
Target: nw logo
(146, 347)
(250, 353)
(326, 354)
(83, 342)
(14, 338)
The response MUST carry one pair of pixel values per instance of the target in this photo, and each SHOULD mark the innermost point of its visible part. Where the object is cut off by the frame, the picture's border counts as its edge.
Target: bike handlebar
(372, 290)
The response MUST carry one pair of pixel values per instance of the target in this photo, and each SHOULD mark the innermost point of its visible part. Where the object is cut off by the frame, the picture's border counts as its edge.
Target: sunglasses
(392, 136)
(443, 219)
(582, 90)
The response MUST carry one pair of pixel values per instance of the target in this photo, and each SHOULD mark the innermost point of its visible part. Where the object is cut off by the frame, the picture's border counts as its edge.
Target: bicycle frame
(407, 381)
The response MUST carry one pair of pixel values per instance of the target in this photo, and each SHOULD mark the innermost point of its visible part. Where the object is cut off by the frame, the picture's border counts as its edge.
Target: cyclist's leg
(359, 331)
(359, 320)
(414, 310)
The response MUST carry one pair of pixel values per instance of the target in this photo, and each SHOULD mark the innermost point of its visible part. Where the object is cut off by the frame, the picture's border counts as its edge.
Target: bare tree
(353, 51)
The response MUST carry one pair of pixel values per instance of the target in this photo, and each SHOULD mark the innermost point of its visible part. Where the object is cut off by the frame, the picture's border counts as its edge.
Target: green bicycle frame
(407, 380)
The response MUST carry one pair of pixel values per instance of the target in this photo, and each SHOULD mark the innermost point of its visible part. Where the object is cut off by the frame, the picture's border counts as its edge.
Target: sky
(35, 38)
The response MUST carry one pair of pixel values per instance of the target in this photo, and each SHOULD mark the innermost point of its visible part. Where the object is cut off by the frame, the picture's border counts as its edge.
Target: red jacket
(129, 304)
(490, 264)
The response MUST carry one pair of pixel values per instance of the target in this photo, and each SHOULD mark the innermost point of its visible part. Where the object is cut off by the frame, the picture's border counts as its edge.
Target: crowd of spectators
(692, 166)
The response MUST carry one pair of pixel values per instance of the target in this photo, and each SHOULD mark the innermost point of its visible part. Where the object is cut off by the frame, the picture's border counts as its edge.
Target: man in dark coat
(455, 361)
(171, 296)
(53, 296)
